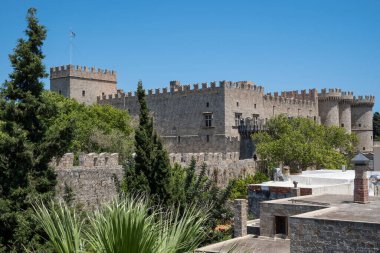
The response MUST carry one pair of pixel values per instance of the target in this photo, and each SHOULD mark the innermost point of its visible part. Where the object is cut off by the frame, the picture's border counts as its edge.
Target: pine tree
(151, 160)
(27, 142)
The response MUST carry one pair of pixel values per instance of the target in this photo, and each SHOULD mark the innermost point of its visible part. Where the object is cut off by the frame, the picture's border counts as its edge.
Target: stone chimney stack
(240, 219)
(361, 167)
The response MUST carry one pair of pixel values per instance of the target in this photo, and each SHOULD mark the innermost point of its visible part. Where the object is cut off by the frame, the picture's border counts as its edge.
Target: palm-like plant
(126, 226)
(63, 227)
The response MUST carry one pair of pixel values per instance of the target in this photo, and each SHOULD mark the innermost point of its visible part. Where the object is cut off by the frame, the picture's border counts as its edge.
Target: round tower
(345, 111)
(361, 114)
(328, 106)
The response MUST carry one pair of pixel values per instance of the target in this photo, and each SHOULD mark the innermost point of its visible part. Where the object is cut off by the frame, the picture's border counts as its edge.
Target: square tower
(82, 83)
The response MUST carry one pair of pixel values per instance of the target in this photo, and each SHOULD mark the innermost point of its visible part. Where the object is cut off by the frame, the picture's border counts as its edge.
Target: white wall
(376, 158)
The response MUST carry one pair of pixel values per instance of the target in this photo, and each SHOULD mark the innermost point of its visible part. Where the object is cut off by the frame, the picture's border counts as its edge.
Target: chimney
(361, 167)
(240, 218)
(296, 191)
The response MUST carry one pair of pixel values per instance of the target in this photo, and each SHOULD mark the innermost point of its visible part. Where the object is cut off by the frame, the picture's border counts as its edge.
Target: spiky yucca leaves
(127, 226)
(123, 226)
(182, 232)
(63, 227)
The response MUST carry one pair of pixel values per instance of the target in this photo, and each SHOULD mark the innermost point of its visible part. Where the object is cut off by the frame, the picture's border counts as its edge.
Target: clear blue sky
(282, 45)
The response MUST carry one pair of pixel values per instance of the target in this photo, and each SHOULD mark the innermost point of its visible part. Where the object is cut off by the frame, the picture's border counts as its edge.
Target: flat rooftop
(337, 207)
(249, 243)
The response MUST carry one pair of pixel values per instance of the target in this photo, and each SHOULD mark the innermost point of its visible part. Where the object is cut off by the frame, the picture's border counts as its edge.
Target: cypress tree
(376, 126)
(151, 160)
(27, 142)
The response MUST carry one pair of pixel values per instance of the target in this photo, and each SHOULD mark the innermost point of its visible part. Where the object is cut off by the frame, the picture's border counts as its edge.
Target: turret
(362, 122)
(328, 106)
(345, 103)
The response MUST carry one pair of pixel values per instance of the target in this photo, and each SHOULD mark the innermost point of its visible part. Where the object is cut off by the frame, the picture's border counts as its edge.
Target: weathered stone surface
(240, 217)
(220, 167)
(320, 235)
(92, 183)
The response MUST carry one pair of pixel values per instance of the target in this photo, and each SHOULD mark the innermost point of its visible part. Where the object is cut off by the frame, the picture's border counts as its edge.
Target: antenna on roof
(72, 36)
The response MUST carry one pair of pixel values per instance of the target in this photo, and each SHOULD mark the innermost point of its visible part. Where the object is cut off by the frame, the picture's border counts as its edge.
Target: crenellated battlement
(335, 94)
(177, 88)
(364, 100)
(83, 72)
(90, 160)
(303, 95)
(292, 97)
(203, 157)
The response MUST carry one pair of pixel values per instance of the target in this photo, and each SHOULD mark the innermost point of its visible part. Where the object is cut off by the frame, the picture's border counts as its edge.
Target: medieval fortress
(218, 117)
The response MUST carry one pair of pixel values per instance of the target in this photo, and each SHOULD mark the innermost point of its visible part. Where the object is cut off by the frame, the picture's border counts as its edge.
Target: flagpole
(72, 36)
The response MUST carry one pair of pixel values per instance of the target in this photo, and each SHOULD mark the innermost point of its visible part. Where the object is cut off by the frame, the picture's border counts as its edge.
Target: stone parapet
(90, 160)
(285, 100)
(177, 88)
(302, 95)
(203, 157)
(364, 101)
(83, 72)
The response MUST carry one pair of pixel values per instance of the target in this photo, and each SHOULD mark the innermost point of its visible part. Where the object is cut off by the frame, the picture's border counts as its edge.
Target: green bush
(240, 185)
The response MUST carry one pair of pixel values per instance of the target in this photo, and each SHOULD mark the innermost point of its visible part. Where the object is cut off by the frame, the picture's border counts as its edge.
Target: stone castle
(218, 117)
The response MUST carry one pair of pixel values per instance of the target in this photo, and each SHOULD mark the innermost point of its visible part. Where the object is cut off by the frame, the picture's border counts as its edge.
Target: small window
(237, 104)
(207, 104)
(237, 119)
(83, 93)
(360, 125)
(179, 139)
(208, 138)
(102, 93)
(254, 106)
(363, 148)
(208, 119)
(342, 125)
(315, 118)
(59, 92)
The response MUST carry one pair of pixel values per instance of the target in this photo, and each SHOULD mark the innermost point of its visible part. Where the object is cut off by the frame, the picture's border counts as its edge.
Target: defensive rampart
(221, 167)
(93, 182)
(83, 72)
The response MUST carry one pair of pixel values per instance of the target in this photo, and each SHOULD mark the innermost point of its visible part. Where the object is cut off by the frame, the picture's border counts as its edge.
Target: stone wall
(310, 235)
(179, 116)
(82, 83)
(93, 182)
(179, 113)
(269, 210)
(221, 167)
(258, 194)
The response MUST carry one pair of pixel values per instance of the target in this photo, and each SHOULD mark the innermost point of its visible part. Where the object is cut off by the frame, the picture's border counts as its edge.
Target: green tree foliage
(129, 226)
(96, 128)
(27, 141)
(239, 189)
(302, 143)
(376, 126)
(150, 170)
(191, 188)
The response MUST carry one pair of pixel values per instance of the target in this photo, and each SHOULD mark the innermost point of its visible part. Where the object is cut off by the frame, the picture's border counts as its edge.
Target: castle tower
(328, 106)
(345, 111)
(361, 114)
(82, 83)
